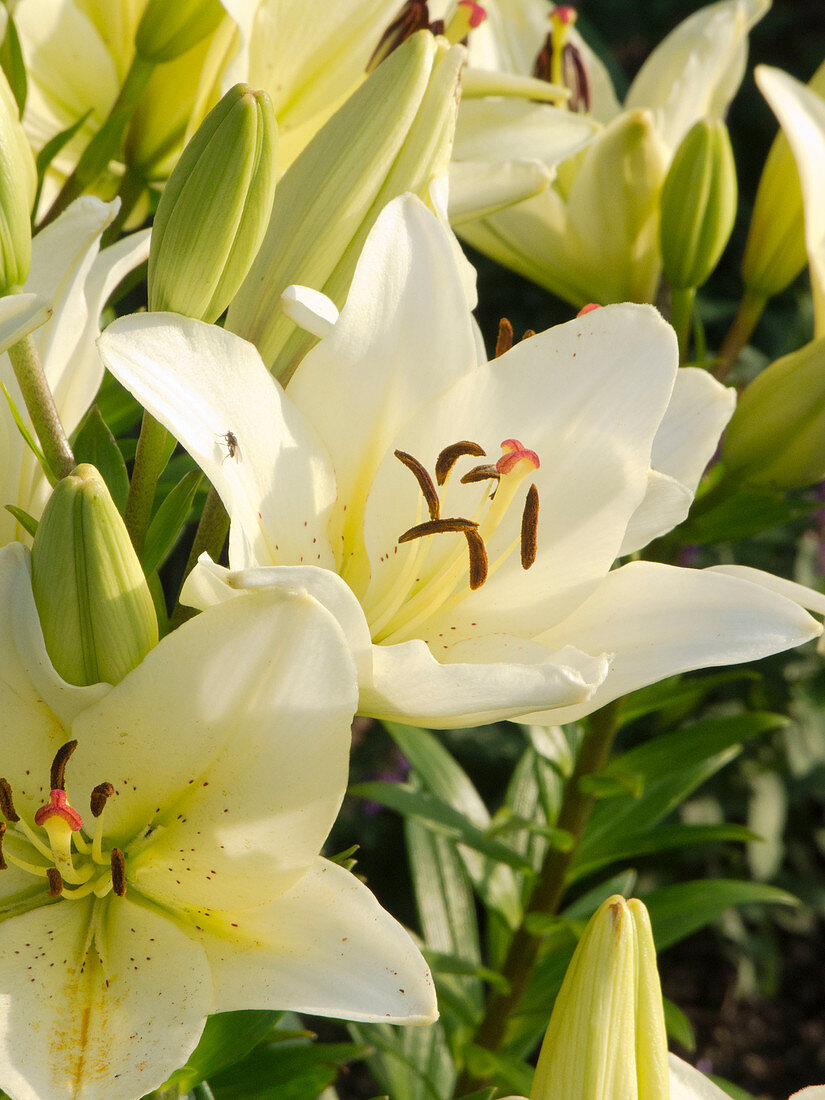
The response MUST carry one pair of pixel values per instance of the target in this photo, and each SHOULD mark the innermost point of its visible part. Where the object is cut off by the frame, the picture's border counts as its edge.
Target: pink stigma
(476, 13)
(588, 308)
(515, 452)
(566, 14)
(58, 806)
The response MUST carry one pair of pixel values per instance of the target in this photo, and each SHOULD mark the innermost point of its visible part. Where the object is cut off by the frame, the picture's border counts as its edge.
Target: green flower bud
(392, 135)
(698, 205)
(95, 608)
(18, 180)
(777, 434)
(606, 1037)
(215, 209)
(169, 28)
(775, 251)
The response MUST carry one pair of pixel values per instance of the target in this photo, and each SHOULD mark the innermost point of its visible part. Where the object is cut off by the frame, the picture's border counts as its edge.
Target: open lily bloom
(593, 234)
(170, 868)
(77, 55)
(461, 517)
(801, 113)
(68, 285)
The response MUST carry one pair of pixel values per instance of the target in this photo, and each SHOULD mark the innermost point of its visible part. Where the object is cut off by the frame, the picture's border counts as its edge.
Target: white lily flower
(194, 885)
(473, 575)
(801, 114)
(77, 55)
(68, 285)
(593, 234)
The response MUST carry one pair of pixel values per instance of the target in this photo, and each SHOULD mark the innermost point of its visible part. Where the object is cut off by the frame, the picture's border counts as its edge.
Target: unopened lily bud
(698, 204)
(214, 210)
(775, 251)
(607, 1037)
(394, 134)
(18, 179)
(169, 28)
(777, 434)
(95, 607)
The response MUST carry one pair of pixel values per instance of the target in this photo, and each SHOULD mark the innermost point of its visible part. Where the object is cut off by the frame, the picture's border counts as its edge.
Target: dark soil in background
(769, 1047)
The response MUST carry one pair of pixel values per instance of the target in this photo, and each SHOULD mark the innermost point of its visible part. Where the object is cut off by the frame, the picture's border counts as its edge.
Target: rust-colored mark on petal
(504, 340)
(529, 528)
(478, 558)
(425, 482)
(450, 455)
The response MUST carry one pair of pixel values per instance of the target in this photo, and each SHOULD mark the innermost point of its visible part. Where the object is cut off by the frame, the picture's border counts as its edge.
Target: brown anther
(576, 78)
(55, 882)
(57, 780)
(529, 528)
(480, 473)
(7, 802)
(118, 863)
(528, 332)
(3, 865)
(437, 527)
(437, 27)
(413, 16)
(99, 797)
(504, 340)
(425, 482)
(478, 558)
(450, 455)
(543, 66)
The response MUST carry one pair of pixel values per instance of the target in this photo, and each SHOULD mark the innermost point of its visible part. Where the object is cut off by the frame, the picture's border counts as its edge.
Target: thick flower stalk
(160, 847)
(68, 285)
(460, 517)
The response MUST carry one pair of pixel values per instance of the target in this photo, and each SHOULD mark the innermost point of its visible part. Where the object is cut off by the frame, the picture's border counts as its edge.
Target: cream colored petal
(801, 113)
(94, 1007)
(687, 1083)
(327, 948)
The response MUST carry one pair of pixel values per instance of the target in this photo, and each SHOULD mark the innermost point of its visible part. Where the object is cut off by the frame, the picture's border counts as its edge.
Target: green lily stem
(681, 312)
(28, 370)
(750, 310)
(105, 145)
(130, 193)
(151, 457)
(209, 537)
(549, 890)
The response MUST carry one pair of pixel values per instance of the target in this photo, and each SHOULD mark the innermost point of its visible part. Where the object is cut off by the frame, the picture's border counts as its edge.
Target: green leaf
(168, 521)
(285, 1071)
(678, 1026)
(14, 65)
(679, 693)
(511, 1073)
(51, 149)
(27, 522)
(679, 910)
(451, 964)
(739, 516)
(227, 1038)
(661, 838)
(409, 1061)
(28, 438)
(604, 785)
(446, 779)
(94, 443)
(481, 1094)
(732, 1090)
(432, 811)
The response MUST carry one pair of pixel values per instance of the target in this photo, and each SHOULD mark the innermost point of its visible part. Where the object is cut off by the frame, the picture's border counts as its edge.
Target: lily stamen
(57, 775)
(450, 455)
(7, 803)
(504, 339)
(529, 528)
(425, 482)
(118, 865)
(437, 527)
(55, 882)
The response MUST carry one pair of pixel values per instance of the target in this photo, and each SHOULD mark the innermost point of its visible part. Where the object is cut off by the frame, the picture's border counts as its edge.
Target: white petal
(478, 188)
(806, 597)
(687, 1083)
(695, 72)
(403, 335)
(801, 113)
(327, 948)
(36, 705)
(232, 737)
(587, 397)
(485, 680)
(20, 314)
(310, 309)
(812, 1092)
(659, 620)
(81, 1021)
(495, 130)
(202, 383)
(666, 503)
